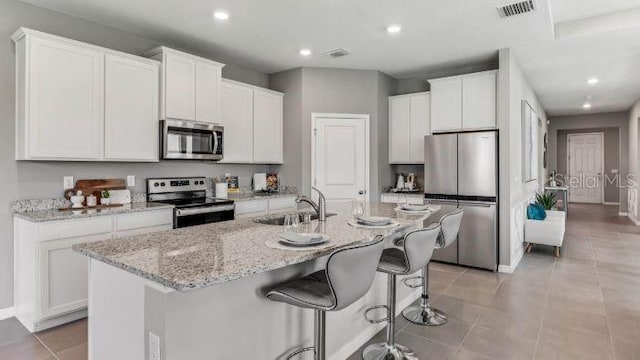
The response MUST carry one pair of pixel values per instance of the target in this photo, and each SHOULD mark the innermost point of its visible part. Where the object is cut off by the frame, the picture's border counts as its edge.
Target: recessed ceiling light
(592, 81)
(586, 106)
(221, 15)
(393, 29)
(305, 52)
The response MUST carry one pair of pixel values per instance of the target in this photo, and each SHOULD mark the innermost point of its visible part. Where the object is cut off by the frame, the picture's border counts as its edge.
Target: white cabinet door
(267, 128)
(446, 105)
(179, 86)
(131, 109)
(399, 130)
(420, 125)
(479, 101)
(237, 118)
(208, 78)
(64, 276)
(65, 100)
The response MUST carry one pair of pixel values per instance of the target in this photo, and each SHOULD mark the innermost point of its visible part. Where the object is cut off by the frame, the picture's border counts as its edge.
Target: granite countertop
(55, 214)
(248, 196)
(195, 257)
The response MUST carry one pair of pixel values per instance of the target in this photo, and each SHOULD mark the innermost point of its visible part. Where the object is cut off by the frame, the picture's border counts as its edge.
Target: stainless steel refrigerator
(461, 170)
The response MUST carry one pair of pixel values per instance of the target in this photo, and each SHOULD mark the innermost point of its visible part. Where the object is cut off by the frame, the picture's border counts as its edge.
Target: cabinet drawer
(391, 199)
(144, 219)
(253, 206)
(75, 228)
(282, 203)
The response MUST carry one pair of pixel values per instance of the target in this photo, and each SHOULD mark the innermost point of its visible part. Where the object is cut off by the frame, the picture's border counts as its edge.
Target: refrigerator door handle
(477, 203)
(447, 202)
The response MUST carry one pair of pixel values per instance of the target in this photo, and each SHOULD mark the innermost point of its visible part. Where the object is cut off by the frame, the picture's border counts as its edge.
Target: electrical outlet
(154, 346)
(131, 180)
(67, 183)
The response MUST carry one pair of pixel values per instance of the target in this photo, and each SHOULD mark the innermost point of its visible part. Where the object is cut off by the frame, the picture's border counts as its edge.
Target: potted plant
(546, 199)
(105, 197)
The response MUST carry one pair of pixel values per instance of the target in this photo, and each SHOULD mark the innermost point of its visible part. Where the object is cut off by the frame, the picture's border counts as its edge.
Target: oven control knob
(162, 183)
(155, 184)
(201, 182)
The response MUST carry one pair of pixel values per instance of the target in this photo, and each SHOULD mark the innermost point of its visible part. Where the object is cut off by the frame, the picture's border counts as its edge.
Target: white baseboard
(510, 269)
(355, 344)
(7, 313)
(623, 213)
(633, 219)
(610, 203)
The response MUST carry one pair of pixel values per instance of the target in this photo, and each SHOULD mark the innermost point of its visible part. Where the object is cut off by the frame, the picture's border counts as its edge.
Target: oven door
(191, 140)
(202, 215)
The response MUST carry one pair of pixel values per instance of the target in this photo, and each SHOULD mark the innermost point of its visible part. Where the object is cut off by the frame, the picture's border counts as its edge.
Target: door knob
(361, 192)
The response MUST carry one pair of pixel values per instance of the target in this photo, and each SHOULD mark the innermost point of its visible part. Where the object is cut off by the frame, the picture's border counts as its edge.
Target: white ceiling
(267, 36)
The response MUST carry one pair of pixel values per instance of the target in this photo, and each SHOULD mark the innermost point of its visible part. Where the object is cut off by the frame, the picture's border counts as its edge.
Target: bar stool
(347, 276)
(413, 253)
(424, 314)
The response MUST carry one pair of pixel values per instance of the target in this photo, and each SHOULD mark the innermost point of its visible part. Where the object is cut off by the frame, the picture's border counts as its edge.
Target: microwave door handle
(215, 142)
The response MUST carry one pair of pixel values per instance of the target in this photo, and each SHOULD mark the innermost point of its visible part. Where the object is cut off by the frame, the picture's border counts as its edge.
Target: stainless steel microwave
(191, 140)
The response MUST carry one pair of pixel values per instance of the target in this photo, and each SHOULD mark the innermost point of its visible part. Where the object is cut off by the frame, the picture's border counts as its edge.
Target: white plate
(373, 227)
(373, 220)
(319, 239)
(414, 207)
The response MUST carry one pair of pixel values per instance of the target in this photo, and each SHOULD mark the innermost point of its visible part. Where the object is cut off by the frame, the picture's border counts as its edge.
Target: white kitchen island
(198, 293)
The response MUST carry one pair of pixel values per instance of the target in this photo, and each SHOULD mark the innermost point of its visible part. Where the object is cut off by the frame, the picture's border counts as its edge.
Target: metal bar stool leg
(389, 350)
(319, 336)
(424, 314)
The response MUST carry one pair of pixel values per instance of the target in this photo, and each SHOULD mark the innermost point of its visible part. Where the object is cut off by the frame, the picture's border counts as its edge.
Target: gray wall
(23, 180)
(611, 157)
(616, 120)
(325, 90)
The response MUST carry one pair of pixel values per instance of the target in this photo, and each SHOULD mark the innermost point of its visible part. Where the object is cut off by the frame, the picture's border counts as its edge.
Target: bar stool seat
(347, 276)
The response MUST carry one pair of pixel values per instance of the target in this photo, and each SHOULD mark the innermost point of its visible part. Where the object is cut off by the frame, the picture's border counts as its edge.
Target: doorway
(585, 164)
(340, 156)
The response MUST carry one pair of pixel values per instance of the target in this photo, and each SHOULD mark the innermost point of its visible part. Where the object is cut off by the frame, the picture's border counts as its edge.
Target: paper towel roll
(221, 190)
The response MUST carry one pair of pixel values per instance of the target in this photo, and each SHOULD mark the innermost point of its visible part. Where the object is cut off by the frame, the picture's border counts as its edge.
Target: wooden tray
(91, 207)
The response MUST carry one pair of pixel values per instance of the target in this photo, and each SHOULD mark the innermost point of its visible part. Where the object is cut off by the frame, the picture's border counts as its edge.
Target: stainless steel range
(189, 196)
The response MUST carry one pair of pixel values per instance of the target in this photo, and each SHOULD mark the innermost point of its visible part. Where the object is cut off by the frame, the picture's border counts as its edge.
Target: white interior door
(341, 156)
(585, 165)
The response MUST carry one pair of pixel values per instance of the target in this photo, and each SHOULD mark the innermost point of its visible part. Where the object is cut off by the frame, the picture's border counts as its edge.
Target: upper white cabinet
(80, 102)
(466, 102)
(237, 118)
(253, 119)
(408, 125)
(131, 109)
(267, 127)
(190, 85)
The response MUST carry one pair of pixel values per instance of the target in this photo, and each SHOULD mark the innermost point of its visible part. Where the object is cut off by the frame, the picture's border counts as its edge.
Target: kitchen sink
(280, 219)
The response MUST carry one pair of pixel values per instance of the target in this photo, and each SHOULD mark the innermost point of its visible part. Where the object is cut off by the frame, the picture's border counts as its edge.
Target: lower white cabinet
(51, 280)
(391, 198)
(263, 207)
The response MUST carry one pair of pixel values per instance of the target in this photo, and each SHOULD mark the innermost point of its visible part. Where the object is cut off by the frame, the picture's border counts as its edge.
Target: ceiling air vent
(516, 8)
(336, 53)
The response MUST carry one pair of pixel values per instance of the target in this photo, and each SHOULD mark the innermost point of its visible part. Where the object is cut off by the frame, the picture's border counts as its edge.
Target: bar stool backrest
(450, 225)
(418, 247)
(351, 270)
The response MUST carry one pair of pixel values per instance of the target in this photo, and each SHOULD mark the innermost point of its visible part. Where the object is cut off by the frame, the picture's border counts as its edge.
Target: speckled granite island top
(199, 256)
(55, 214)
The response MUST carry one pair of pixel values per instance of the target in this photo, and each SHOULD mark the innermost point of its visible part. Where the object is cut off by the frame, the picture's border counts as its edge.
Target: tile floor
(584, 305)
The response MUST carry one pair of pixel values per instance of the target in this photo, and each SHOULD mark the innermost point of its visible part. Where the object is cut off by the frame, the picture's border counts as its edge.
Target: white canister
(221, 190)
(92, 200)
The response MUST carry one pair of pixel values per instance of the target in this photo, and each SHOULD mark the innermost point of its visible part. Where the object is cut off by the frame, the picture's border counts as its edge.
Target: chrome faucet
(320, 207)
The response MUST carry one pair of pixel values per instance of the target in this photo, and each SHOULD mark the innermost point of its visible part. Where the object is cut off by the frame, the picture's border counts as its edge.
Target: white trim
(601, 162)
(621, 213)
(510, 269)
(7, 313)
(365, 117)
(352, 346)
(610, 203)
(633, 219)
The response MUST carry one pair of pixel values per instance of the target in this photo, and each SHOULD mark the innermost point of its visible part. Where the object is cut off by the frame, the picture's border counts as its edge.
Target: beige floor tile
(78, 352)
(28, 348)
(12, 330)
(562, 343)
(463, 354)
(583, 267)
(576, 320)
(564, 300)
(516, 323)
(471, 295)
(452, 333)
(64, 337)
(499, 344)
(458, 309)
